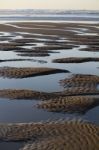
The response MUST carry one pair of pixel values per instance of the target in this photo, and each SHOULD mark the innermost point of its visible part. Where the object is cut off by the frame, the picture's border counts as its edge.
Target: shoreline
(86, 21)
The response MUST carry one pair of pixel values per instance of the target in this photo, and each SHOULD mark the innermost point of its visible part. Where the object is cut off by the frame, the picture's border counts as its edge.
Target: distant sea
(48, 15)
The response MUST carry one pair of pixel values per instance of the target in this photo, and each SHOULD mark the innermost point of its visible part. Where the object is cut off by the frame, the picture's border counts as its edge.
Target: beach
(49, 85)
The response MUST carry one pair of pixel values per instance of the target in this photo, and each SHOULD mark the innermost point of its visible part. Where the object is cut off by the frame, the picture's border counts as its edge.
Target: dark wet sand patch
(41, 51)
(34, 54)
(33, 50)
(53, 25)
(8, 28)
(30, 94)
(38, 39)
(71, 104)
(59, 135)
(91, 49)
(80, 91)
(81, 80)
(25, 94)
(81, 84)
(41, 37)
(10, 46)
(59, 29)
(15, 60)
(75, 60)
(25, 40)
(57, 143)
(9, 60)
(12, 72)
(54, 47)
(84, 40)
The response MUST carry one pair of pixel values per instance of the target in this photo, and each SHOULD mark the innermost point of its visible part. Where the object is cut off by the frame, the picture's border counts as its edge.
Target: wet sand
(48, 71)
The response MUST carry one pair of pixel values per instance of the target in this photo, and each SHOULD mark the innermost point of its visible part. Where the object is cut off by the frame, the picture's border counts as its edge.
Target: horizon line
(48, 9)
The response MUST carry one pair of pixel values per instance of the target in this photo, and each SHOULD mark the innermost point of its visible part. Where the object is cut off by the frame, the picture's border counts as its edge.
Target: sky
(50, 4)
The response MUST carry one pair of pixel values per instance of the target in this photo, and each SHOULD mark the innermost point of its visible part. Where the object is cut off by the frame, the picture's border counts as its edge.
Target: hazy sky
(50, 4)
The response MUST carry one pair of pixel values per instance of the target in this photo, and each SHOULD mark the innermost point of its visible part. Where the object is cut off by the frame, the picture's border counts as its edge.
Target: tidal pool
(25, 110)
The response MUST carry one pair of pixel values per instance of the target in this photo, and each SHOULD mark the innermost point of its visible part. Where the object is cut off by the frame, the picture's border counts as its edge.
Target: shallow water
(84, 68)
(92, 115)
(24, 110)
(10, 145)
(17, 111)
(46, 83)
